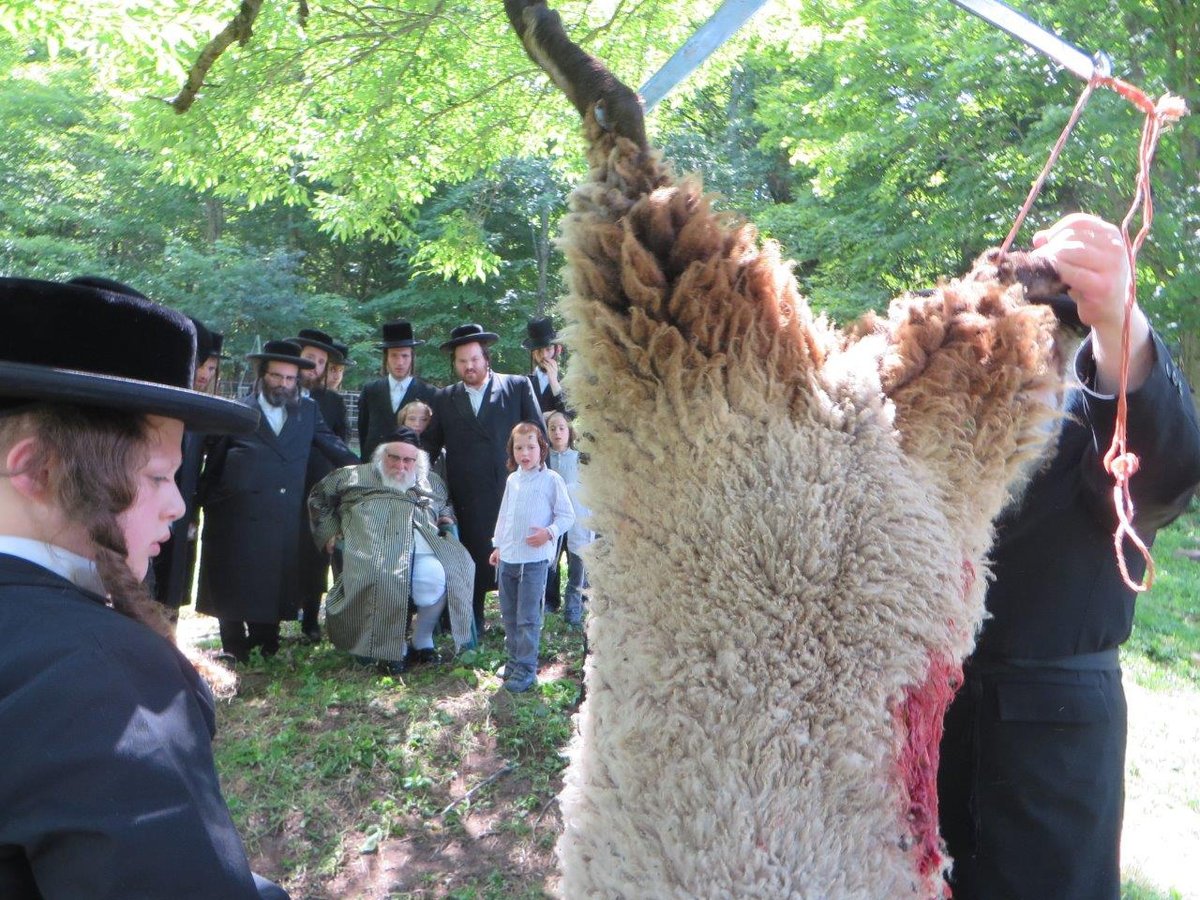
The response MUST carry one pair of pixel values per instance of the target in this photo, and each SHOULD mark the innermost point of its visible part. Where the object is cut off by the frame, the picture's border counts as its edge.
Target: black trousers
(239, 638)
(1031, 783)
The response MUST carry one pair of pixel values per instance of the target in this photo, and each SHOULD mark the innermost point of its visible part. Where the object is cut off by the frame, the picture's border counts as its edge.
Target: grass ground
(348, 784)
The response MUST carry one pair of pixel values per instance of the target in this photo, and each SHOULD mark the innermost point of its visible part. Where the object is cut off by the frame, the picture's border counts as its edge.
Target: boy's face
(146, 524)
(526, 451)
(560, 433)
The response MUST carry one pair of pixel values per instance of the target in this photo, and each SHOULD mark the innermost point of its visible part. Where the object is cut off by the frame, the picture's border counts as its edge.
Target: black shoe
(392, 666)
(424, 656)
(311, 633)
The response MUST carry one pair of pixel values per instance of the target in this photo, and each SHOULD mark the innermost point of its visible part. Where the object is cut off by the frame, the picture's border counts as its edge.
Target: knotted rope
(1118, 461)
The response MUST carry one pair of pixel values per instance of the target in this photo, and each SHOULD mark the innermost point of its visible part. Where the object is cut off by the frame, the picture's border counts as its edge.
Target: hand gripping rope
(1118, 461)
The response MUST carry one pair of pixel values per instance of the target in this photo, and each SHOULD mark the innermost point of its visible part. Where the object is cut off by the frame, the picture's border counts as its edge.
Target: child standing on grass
(564, 459)
(534, 512)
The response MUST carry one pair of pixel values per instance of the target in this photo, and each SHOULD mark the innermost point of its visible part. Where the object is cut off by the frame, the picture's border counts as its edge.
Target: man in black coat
(382, 398)
(472, 420)
(174, 565)
(321, 350)
(252, 491)
(1031, 782)
(545, 354)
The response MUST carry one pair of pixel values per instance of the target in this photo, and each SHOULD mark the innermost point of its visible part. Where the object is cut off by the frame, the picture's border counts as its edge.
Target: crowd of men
(392, 531)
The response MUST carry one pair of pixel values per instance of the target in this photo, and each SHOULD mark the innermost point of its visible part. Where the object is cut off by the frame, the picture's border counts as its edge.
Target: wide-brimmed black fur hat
(541, 334)
(311, 337)
(470, 334)
(397, 333)
(107, 346)
(282, 351)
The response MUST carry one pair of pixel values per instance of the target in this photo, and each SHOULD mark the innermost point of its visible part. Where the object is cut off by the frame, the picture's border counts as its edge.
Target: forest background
(342, 163)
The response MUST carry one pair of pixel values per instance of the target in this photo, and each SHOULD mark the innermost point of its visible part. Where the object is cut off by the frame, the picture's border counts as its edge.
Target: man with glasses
(252, 491)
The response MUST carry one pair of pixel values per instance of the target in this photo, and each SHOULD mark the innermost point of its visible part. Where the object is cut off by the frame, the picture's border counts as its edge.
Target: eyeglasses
(282, 379)
(397, 458)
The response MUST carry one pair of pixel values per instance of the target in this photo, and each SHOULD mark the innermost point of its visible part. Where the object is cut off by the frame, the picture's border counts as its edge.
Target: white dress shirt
(398, 389)
(275, 415)
(77, 569)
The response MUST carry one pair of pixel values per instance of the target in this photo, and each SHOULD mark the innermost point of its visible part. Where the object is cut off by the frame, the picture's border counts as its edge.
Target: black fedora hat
(541, 334)
(397, 333)
(218, 340)
(311, 337)
(282, 351)
(343, 354)
(204, 341)
(468, 334)
(82, 344)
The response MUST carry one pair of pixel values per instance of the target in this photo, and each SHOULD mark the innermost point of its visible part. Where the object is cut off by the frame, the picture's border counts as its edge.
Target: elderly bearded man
(388, 514)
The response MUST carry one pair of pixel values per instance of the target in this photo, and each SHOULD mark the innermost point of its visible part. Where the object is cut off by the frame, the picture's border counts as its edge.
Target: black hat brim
(197, 411)
(388, 345)
(280, 357)
(483, 337)
(538, 345)
(320, 345)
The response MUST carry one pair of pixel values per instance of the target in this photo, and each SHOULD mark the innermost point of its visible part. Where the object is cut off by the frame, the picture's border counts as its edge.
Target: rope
(1118, 461)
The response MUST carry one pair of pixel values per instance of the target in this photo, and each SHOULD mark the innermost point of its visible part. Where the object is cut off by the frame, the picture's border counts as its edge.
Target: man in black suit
(252, 491)
(382, 398)
(545, 354)
(321, 350)
(174, 565)
(472, 420)
(1031, 781)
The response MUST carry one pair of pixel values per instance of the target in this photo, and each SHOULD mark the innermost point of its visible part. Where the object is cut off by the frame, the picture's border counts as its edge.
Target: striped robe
(367, 608)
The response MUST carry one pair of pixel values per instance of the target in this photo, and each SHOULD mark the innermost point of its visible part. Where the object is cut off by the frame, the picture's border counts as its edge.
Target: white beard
(403, 483)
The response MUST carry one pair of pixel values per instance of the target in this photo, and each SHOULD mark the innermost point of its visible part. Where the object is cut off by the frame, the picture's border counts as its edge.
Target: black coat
(252, 491)
(477, 451)
(547, 400)
(108, 788)
(1032, 759)
(377, 419)
(314, 561)
(173, 565)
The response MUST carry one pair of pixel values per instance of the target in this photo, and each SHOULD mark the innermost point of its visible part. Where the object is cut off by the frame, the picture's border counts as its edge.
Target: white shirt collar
(77, 569)
(275, 415)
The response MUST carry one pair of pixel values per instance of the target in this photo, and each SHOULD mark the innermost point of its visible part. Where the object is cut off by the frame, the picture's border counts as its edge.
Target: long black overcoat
(477, 452)
(174, 564)
(252, 491)
(108, 788)
(377, 419)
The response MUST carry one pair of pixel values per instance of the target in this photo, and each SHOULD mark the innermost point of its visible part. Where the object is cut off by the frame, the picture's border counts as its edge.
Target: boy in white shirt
(534, 512)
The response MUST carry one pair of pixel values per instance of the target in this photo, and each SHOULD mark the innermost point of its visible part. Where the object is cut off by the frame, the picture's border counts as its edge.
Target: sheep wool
(793, 521)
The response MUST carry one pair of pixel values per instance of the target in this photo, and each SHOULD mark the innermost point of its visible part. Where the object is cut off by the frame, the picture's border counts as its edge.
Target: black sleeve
(1161, 430)
(364, 418)
(332, 447)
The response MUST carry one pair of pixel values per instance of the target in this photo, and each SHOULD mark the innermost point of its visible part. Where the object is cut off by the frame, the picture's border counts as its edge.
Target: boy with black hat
(545, 352)
(382, 398)
(108, 786)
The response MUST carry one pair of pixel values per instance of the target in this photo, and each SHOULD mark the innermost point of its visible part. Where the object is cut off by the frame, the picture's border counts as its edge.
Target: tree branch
(238, 30)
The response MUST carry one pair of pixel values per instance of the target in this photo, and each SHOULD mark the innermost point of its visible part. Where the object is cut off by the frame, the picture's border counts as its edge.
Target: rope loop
(1118, 461)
